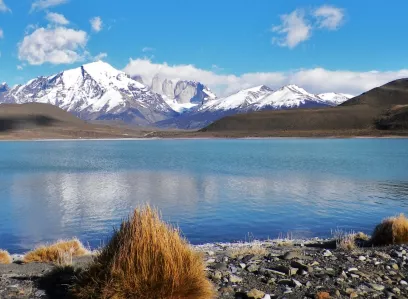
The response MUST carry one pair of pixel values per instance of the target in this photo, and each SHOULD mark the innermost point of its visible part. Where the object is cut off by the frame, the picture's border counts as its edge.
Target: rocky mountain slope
(258, 98)
(99, 92)
(382, 108)
(182, 95)
(95, 91)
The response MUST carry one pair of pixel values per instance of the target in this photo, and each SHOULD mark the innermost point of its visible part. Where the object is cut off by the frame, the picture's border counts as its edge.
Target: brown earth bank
(272, 269)
(382, 109)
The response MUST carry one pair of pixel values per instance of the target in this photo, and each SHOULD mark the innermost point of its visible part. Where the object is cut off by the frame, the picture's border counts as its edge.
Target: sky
(323, 46)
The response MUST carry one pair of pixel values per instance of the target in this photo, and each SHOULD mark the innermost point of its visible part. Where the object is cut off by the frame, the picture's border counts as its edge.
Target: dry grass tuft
(5, 257)
(255, 249)
(60, 252)
(146, 258)
(347, 241)
(393, 230)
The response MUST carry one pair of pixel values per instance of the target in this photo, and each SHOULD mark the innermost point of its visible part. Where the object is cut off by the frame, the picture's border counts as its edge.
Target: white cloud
(56, 18)
(100, 56)
(44, 4)
(329, 17)
(294, 29)
(148, 49)
(3, 7)
(20, 67)
(56, 46)
(1, 33)
(316, 80)
(96, 24)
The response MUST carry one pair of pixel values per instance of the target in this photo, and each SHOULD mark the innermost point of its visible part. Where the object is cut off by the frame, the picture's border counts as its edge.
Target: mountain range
(99, 92)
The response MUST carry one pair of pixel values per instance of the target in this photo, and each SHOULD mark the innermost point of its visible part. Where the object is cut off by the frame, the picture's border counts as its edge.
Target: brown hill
(381, 108)
(45, 121)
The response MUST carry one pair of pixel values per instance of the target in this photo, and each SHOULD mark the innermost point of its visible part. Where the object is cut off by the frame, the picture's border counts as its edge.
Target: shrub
(5, 257)
(145, 259)
(393, 230)
(60, 252)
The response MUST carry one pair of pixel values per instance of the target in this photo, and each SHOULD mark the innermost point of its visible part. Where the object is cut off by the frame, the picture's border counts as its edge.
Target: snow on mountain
(182, 95)
(335, 99)
(239, 100)
(248, 100)
(290, 96)
(95, 91)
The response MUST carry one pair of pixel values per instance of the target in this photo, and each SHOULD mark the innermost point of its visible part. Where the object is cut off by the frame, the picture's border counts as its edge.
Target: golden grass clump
(5, 257)
(393, 230)
(255, 249)
(60, 252)
(146, 258)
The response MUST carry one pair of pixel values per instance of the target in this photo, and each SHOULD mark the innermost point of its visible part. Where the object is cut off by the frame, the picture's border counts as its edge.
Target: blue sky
(320, 45)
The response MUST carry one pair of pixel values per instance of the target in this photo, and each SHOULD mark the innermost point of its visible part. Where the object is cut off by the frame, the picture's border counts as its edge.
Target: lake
(214, 190)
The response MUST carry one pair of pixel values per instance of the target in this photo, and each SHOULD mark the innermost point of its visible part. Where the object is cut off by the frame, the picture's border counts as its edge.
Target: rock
(403, 282)
(327, 253)
(220, 266)
(217, 275)
(255, 294)
(247, 258)
(287, 270)
(235, 279)
(377, 287)
(242, 265)
(349, 291)
(252, 268)
(361, 258)
(352, 270)
(210, 253)
(322, 295)
(210, 261)
(395, 266)
(267, 296)
(301, 266)
(298, 284)
(292, 255)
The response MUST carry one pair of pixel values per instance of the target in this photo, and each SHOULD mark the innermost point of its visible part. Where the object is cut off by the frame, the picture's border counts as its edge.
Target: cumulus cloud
(296, 27)
(293, 30)
(96, 24)
(56, 18)
(1, 33)
(53, 45)
(44, 4)
(3, 7)
(329, 17)
(311, 79)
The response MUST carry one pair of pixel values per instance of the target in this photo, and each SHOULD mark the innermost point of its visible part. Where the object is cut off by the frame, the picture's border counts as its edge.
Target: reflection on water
(215, 190)
(50, 206)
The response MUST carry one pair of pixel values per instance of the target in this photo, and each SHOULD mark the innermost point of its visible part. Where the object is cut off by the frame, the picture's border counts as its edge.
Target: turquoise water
(215, 190)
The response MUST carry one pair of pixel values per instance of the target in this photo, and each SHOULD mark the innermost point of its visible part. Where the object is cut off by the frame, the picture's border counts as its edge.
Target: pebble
(255, 294)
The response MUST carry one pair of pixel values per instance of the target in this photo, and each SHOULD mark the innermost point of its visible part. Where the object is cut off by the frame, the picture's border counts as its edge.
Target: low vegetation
(5, 257)
(60, 253)
(393, 230)
(349, 240)
(146, 258)
(255, 249)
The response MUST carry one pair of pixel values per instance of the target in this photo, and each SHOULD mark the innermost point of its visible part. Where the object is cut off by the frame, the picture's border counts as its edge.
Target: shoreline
(202, 138)
(304, 268)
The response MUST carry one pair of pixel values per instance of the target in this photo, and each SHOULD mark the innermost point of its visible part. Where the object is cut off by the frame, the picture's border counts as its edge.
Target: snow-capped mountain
(335, 99)
(95, 91)
(250, 100)
(182, 95)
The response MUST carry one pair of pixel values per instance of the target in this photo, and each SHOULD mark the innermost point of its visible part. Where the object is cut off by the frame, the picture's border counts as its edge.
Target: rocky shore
(297, 269)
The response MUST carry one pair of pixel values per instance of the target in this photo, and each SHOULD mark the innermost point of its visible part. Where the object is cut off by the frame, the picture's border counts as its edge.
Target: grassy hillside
(383, 108)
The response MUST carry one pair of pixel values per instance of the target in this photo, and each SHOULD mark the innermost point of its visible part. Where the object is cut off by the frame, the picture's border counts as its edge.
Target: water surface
(215, 190)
